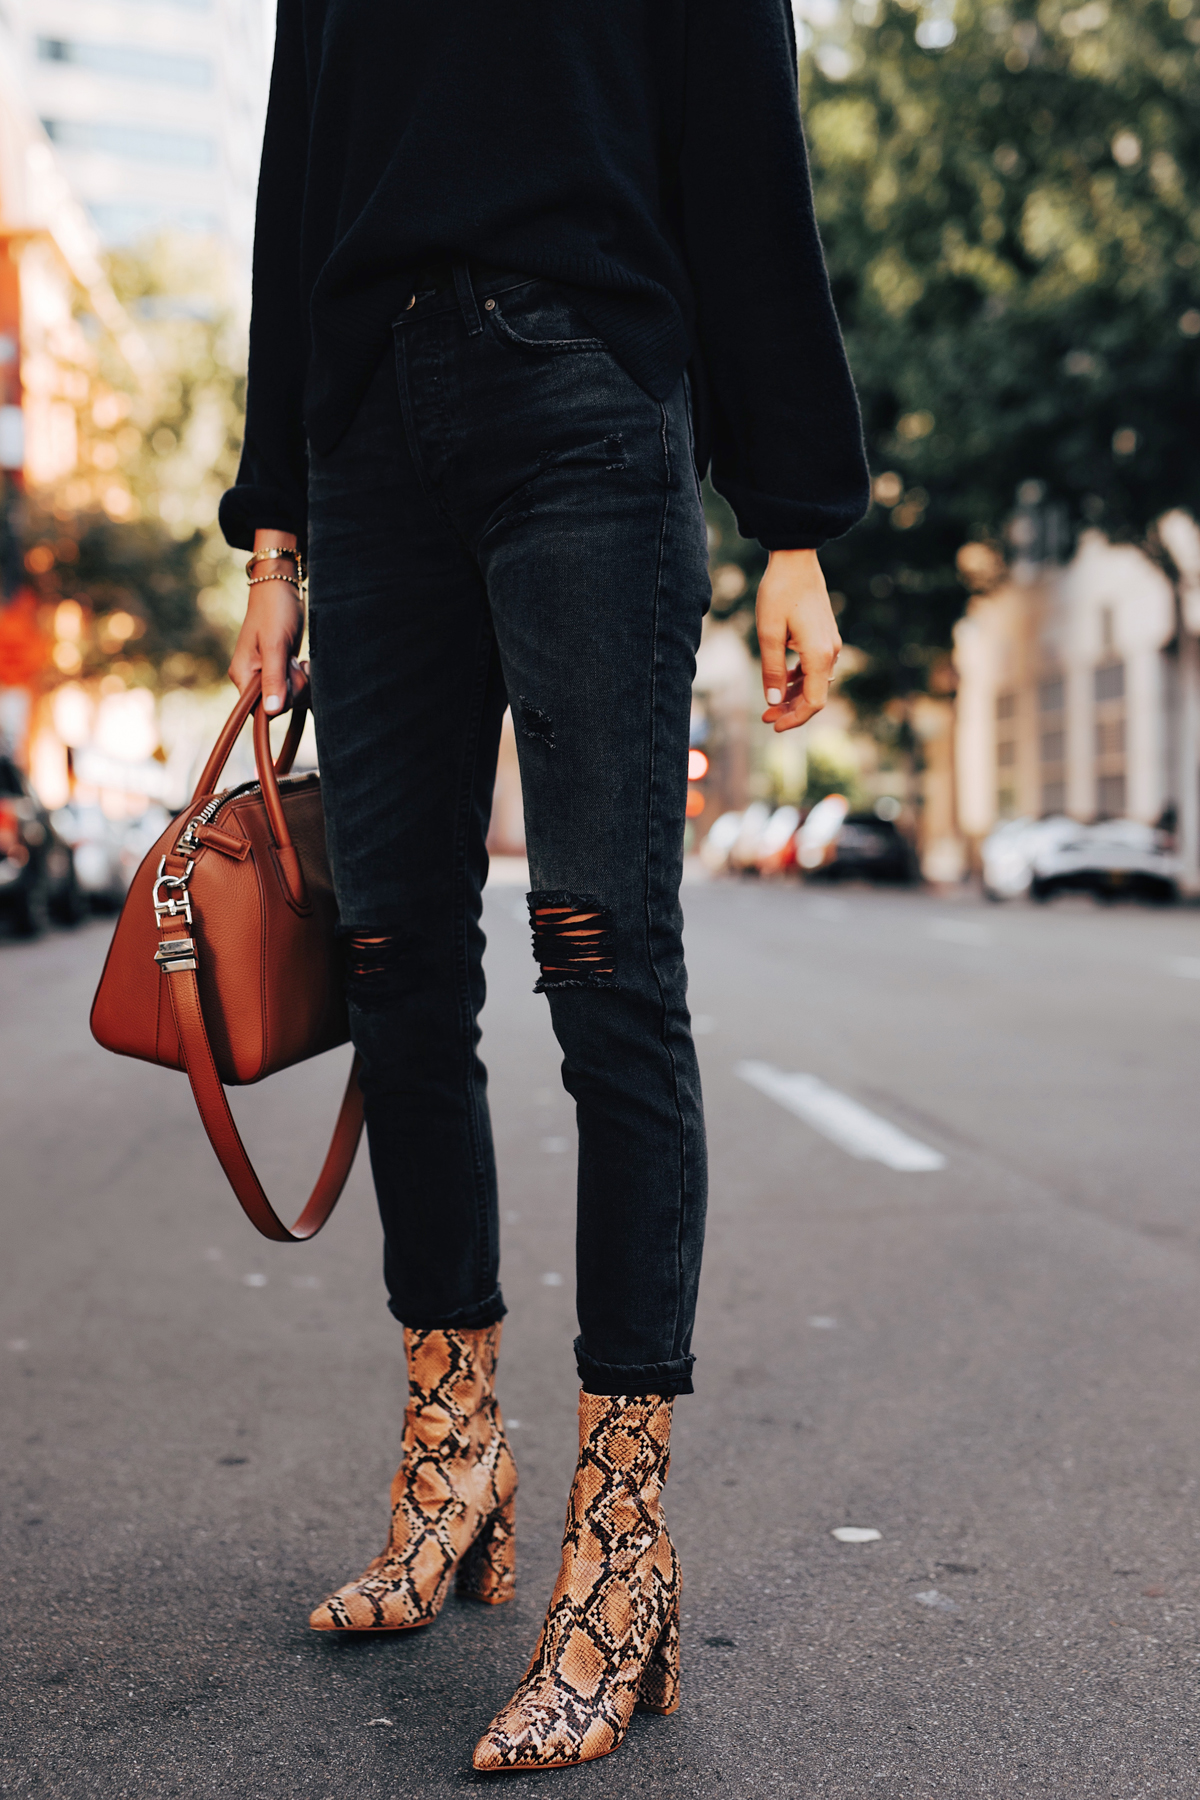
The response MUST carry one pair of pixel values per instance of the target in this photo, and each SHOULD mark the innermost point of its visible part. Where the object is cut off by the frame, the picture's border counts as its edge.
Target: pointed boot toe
(325, 1617)
(489, 1752)
(350, 1609)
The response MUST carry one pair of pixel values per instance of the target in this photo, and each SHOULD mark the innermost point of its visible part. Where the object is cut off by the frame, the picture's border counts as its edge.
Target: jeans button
(489, 306)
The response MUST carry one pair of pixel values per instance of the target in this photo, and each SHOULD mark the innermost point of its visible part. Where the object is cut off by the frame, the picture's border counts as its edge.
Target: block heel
(659, 1692)
(488, 1571)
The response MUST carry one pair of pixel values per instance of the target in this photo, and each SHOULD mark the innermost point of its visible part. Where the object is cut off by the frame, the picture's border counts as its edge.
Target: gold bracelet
(258, 580)
(269, 555)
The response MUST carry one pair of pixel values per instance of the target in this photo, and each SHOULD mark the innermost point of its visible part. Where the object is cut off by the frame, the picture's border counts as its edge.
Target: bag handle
(285, 850)
(231, 731)
(179, 972)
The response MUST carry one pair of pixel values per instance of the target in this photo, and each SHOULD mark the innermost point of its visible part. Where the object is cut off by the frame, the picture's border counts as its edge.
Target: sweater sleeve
(272, 479)
(787, 448)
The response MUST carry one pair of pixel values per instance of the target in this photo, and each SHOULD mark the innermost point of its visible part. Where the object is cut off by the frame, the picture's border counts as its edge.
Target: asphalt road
(992, 1363)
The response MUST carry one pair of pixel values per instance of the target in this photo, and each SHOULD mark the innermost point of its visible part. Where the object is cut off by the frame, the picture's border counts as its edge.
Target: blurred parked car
(719, 841)
(1011, 850)
(96, 842)
(107, 851)
(816, 837)
(1118, 857)
(777, 842)
(37, 869)
(743, 852)
(868, 848)
(835, 844)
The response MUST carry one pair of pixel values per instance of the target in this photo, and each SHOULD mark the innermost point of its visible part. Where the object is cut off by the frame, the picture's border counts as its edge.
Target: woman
(501, 255)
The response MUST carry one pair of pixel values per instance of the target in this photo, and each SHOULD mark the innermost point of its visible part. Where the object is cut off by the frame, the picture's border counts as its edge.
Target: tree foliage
(1008, 202)
(132, 534)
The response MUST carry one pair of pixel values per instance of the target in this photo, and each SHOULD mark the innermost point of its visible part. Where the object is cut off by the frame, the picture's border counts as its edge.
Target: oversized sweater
(646, 154)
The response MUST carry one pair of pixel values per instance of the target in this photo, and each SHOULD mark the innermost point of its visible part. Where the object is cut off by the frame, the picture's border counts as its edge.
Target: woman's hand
(271, 632)
(794, 613)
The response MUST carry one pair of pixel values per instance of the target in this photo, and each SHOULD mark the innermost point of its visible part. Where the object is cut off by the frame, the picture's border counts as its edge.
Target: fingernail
(272, 702)
(773, 696)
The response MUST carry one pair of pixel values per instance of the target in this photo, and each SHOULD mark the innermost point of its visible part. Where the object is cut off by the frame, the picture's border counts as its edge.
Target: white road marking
(856, 1534)
(842, 1120)
(958, 931)
(1187, 966)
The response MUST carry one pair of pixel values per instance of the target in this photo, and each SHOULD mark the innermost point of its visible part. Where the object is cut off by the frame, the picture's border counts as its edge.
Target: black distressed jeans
(512, 520)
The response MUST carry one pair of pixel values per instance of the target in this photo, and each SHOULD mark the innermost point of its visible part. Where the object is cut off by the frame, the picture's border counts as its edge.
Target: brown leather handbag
(224, 961)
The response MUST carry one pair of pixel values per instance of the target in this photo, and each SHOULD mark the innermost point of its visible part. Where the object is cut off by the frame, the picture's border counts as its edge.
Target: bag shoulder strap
(177, 957)
(225, 1139)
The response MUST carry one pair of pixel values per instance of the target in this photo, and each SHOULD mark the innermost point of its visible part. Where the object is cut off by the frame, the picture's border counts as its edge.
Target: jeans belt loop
(465, 289)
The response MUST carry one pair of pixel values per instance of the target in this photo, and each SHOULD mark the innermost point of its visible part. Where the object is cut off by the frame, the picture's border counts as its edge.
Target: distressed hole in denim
(614, 449)
(572, 941)
(375, 970)
(536, 724)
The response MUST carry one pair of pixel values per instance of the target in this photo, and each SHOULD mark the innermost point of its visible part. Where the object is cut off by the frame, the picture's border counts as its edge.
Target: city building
(155, 109)
(1079, 692)
(55, 308)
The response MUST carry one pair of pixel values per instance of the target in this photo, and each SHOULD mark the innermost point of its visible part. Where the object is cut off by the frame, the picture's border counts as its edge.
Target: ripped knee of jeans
(572, 941)
(374, 969)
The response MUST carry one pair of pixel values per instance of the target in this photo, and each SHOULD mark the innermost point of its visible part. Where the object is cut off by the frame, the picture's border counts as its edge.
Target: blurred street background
(946, 970)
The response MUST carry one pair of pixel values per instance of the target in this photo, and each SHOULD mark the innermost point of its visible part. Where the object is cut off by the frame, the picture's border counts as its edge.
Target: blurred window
(130, 62)
(1110, 796)
(1006, 752)
(134, 143)
(1052, 742)
(1109, 738)
(1110, 681)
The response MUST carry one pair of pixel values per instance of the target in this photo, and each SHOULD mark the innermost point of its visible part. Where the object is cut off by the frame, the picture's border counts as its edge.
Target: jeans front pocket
(539, 318)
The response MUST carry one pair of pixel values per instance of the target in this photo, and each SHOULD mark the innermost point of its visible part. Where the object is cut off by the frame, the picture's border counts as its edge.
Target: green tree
(1007, 197)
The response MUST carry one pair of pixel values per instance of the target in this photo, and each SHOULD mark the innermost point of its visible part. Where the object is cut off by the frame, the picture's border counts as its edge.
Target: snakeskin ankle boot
(611, 1638)
(452, 1496)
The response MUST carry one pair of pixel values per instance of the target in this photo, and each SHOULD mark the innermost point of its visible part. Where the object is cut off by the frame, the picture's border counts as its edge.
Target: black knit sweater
(645, 153)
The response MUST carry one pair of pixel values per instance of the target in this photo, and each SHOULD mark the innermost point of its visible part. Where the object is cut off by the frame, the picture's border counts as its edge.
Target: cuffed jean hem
(469, 1318)
(665, 1378)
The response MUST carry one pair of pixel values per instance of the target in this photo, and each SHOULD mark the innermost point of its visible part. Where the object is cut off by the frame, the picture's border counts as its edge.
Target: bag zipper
(187, 844)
